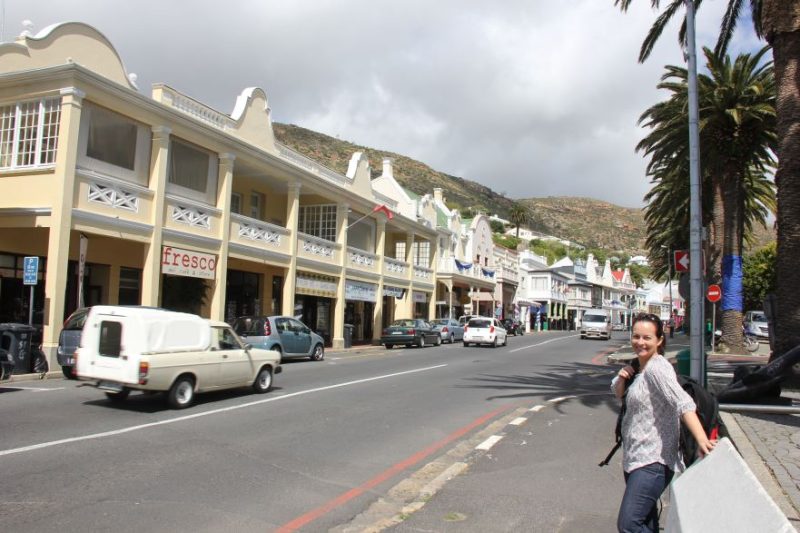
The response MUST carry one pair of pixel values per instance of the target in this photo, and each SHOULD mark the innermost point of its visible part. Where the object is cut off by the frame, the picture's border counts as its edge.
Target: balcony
(361, 260)
(395, 269)
(256, 234)
(191, 217)
(469, 272)
(317, 249)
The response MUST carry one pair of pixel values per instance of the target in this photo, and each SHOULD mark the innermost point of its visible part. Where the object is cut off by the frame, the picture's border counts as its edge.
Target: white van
(596, 323)
(142, 348)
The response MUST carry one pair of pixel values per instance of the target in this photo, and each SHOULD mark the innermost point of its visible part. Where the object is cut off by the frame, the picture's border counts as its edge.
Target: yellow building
(174, 204)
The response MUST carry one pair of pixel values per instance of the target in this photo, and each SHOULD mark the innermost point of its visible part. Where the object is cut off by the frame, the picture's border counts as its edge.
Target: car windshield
(758, 317)
(404, 323)
(440, 322)
(245, 326)
(594, 318)
(480, 323)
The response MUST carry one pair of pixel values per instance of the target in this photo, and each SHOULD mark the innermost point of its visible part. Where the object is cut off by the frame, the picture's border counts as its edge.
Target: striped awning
(315, 285)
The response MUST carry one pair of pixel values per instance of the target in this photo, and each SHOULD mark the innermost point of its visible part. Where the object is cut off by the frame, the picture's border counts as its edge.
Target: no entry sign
(713, 293)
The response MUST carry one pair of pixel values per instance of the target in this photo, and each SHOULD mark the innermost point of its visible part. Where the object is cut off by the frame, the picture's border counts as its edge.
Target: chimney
(437, 194)
(387, 168)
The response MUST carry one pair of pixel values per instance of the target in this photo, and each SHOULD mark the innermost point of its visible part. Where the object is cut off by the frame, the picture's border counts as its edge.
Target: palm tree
(778, 21)
(737, 137)
(519, 215)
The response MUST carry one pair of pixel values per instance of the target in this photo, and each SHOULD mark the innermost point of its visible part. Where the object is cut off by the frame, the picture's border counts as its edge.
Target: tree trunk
(781, 23)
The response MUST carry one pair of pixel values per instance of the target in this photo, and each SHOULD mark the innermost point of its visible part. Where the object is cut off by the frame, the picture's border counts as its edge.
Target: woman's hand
(626, 372)
(705, 447)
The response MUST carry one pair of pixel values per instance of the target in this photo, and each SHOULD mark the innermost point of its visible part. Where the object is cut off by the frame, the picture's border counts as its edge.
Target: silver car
(755, 323)
(283, 334)
(449, 329)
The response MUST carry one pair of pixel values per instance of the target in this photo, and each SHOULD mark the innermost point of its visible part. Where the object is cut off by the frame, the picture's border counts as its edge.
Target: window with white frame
(236, 203)
(422, 253)
(112, 138)
(400, 251)
(29, 133)
(318, 220)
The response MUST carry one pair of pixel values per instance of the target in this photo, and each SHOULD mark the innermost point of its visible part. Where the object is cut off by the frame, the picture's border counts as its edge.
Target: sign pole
(30, 309)
(713, 328)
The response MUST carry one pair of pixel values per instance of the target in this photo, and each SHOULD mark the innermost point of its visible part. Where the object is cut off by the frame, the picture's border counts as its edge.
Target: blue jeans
(643, 488)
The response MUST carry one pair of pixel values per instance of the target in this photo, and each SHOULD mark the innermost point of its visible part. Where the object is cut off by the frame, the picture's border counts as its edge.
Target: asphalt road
(326, 448)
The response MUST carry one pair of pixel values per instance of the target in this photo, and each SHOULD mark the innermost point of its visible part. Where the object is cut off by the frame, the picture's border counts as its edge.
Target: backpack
(707, 412)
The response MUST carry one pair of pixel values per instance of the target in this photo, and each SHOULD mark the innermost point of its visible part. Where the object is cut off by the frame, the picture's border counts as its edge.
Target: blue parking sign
(30, 269)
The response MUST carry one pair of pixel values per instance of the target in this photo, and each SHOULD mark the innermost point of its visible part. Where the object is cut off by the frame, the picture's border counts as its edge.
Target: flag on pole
(383, 209)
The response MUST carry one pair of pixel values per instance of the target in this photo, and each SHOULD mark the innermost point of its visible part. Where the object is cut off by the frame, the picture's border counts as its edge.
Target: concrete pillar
(292, 220)
(159, 161)
(407, 304)
(61, 221)
(433, 266)
(380, 251)
(224, 188)
(341, 240)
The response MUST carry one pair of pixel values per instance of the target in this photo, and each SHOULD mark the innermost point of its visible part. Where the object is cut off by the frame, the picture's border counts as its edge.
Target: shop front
(359, 310)
(313, 303)
(421, 304)
(187, 277)
(390, 297)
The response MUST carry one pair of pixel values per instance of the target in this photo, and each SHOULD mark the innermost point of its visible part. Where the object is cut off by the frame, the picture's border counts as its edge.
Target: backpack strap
(621, 415)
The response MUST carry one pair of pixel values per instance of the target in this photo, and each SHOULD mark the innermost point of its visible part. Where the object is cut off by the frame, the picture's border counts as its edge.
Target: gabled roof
(618, 275)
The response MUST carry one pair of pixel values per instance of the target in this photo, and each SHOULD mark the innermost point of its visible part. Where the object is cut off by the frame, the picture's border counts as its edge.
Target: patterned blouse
(651, 426)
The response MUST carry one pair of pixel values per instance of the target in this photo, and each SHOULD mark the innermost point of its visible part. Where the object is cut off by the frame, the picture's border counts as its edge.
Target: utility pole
(669, 280)
(697, 358)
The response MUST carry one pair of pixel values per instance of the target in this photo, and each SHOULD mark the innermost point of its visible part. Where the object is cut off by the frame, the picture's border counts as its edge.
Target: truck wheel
(181, 394)
(263, 382)
(118, 396)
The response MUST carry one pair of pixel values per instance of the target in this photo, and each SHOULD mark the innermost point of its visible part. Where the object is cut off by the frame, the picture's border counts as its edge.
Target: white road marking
(129, 429)
(541, 343)
(560, 399)
(536, 408)
(488, 443)
(518, 421)
(13, 387)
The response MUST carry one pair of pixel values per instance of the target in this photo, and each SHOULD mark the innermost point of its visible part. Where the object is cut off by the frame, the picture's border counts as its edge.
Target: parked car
(755, 323)
(618, 326)
(154, 350)
(513, 327)
(466, 318)
(410, 332)
(283, 334)
(69, 339)
(449, 329)
(485, 331)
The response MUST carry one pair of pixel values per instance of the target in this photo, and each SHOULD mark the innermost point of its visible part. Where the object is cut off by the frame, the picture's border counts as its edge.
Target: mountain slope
(589, 222)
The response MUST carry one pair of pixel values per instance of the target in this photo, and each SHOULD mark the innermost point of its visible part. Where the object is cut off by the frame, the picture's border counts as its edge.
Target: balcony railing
(448, 266)
(316, 248)
(361, 260)
(423, 273)
(259, 234)
(395, 268)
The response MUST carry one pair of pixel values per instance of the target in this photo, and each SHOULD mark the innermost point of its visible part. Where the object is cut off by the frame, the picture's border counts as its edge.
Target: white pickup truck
(148, 349)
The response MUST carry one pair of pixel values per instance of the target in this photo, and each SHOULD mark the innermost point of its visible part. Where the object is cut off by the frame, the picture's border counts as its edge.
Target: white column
(224, 189)
(159, 160)
(380, 251)
(292, 220)
(341, 240)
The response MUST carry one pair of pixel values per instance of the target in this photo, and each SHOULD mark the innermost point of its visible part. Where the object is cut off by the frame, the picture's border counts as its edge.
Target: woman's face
(644, 341)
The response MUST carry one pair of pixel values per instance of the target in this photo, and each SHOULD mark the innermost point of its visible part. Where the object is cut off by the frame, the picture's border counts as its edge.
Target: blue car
(283, 334)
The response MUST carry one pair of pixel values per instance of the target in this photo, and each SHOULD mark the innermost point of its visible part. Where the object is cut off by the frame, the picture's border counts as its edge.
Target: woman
(655, 407)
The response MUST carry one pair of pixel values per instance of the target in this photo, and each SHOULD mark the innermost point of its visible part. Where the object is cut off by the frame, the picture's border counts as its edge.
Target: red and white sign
(188, 263)
(681, 260)
(713, 293)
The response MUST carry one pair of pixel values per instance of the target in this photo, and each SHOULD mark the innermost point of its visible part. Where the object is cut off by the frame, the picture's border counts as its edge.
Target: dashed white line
(541, 343)
(518, 421)
(536, 408)
(112, 433)
(488, 443)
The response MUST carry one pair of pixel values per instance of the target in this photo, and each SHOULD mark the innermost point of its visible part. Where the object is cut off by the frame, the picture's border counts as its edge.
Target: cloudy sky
(525, 97)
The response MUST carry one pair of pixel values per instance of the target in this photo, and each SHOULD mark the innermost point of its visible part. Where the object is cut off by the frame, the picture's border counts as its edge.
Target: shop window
(29, 133)
(257, 206)
(319, 221)
(112, 138)
(129, 286)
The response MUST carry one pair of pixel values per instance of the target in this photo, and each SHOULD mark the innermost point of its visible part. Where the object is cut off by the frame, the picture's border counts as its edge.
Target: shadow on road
(156, 402)
(589, 383)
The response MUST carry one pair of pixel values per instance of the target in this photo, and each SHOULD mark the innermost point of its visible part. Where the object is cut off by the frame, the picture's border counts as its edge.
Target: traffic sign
(681, 260)
(713, 293)
(30, 270)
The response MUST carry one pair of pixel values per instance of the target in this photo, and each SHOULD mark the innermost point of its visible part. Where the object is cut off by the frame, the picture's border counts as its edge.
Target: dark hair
(656, 321)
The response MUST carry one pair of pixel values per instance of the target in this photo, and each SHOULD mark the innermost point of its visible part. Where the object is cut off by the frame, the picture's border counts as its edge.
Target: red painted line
(597, 359)
(327, 507)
